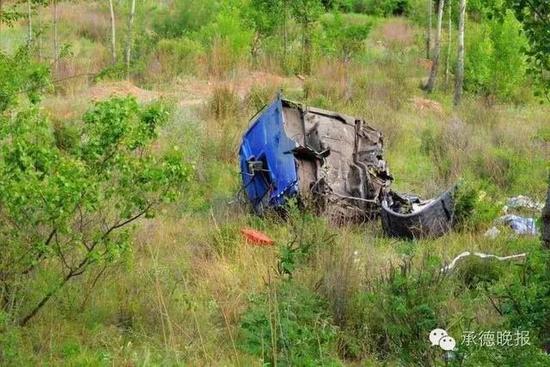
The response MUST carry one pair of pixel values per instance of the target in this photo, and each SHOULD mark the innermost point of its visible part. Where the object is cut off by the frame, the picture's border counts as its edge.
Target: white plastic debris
(522, 202)
(492, 233)
(482, 256)
(520, 225)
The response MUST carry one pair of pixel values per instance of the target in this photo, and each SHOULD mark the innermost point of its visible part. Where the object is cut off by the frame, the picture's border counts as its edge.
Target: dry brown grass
(89, 20)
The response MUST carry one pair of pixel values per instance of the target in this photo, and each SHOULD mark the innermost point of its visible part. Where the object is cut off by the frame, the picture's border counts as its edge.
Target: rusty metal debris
(330, 160)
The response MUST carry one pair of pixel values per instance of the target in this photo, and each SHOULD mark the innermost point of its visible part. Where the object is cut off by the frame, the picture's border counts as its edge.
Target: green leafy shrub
(106, 173)
(495, 62)
(378, 7)
(177, 56)
(521, 296)
(309, 235)
(21, 77)
(343, 38)
(288, 326)
(259, 96)
(184, 17)
(12, 351)
(474, 208)
(525, 296)
(227, 31)
(394, 316)
(474, 272)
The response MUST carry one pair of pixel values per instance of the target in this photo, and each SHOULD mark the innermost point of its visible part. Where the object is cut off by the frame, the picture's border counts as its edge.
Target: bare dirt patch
(426, 105)
(120, 89)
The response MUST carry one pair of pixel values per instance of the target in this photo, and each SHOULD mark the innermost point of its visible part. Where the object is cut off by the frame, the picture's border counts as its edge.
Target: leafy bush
(104, 177)
(525, 295)
(393, 317)
(343, 38)
(177, 56)
(377, 7)
(185, 17)
(288, 326)
(521, 296)
(473, 207)
(495, 62)
(228, 30)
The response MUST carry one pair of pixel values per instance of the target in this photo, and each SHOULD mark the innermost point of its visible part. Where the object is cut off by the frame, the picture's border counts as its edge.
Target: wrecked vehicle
(409, 216)
(334, 162)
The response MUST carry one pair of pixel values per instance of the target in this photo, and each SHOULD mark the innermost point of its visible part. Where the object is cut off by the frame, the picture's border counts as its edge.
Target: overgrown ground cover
(188, 290)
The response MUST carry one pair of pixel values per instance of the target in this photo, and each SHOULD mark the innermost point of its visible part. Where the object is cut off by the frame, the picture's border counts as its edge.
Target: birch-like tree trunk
(437, 50)
(285, 33)
(449, 42)
(429, 30)
(460, 53)
(130, 39)
(29, 20)
(55, 39)
(113, 31)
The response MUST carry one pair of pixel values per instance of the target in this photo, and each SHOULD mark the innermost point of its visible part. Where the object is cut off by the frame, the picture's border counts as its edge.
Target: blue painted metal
(266, 141)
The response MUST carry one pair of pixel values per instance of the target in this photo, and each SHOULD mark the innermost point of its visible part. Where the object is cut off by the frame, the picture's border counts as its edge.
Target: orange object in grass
(256, 237)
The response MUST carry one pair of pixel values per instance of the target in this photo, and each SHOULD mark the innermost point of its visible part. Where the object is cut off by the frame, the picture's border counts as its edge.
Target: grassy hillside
(192, 292)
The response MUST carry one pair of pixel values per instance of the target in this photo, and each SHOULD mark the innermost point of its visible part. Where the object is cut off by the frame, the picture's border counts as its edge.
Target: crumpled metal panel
(333, 160)
(340, 161)
(266, 145)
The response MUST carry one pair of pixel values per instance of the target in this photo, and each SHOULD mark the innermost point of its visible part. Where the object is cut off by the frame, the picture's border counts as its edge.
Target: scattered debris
(410, 217)
(492, 233)
(482, 256)
(256, 237)
(520, 225)
(522, 202)
(334, 162)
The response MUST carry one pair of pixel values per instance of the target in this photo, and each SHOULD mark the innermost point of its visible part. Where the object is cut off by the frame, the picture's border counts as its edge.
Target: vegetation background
(120, 216)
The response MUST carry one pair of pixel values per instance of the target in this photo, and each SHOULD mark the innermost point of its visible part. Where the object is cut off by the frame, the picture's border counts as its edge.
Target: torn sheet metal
(520, 225)
(333, 160)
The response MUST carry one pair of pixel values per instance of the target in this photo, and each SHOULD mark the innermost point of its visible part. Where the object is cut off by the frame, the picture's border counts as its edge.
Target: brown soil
(120, 88)
(426, 105)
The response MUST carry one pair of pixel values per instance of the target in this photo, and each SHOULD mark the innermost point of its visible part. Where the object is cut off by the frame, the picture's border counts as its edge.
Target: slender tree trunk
(449, 42)
(460, 54)
(546, 221)
(285, 34)
(307, 50)
(113, 31)
(39, 37)
(435, 58)
(129, 41)
(29, 15)
(55, 40)
(429, 30)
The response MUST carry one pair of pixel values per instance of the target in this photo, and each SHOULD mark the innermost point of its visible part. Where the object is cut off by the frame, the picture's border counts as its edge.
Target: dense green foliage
(289, 326)
(68, 195)
(495, 62)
